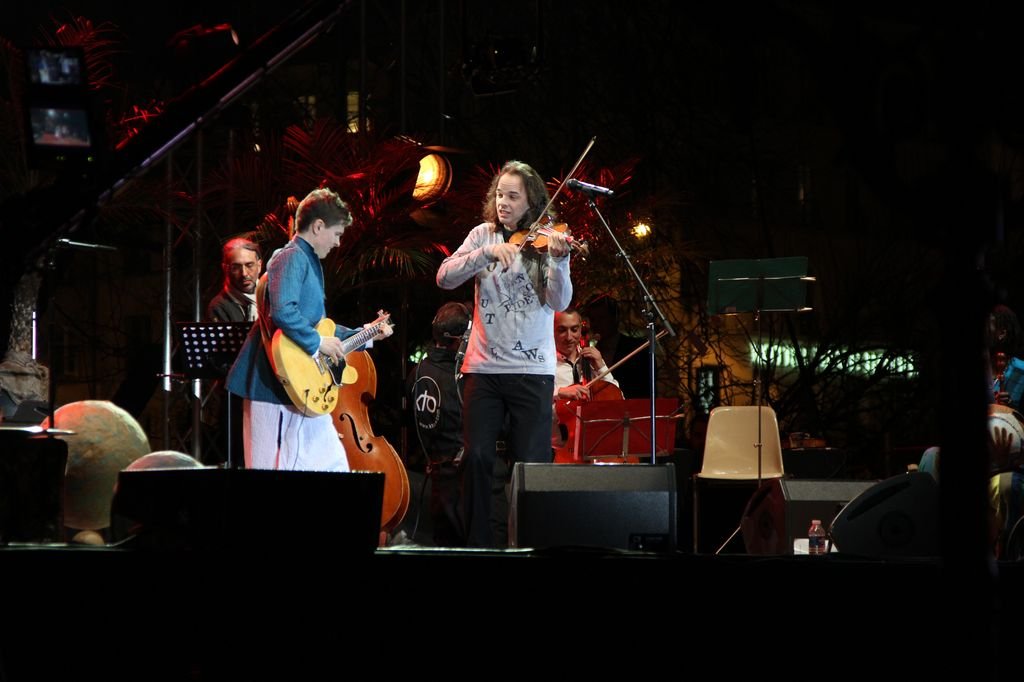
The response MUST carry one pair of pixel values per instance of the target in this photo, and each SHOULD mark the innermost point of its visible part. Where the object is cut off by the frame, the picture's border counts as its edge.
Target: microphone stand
(651, 313)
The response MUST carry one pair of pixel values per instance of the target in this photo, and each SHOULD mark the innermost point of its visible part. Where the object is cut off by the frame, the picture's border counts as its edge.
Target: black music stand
(758, 286)
(209, 349)
(605, 429)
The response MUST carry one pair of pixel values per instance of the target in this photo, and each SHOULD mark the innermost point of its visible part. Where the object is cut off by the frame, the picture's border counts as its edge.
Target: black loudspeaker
(215, 509)
(781, 511)
(621, 506)
(895, 517)
(718, 506)
(814, 463)
(31, 486)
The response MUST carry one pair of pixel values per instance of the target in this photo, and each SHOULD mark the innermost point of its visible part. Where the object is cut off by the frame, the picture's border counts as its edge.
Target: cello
(565, 413)
(565, 410)
(365, 451)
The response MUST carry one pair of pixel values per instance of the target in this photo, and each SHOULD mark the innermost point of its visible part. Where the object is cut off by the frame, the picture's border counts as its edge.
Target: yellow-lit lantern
(434, 178)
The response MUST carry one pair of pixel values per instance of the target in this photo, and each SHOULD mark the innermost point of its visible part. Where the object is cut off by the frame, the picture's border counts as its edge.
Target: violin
(538, 237)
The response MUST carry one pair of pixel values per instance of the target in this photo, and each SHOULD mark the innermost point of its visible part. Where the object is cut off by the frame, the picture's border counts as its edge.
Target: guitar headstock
(383, 324)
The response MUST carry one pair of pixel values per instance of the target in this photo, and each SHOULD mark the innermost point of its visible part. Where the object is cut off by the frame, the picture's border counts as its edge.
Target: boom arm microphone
(589, 189)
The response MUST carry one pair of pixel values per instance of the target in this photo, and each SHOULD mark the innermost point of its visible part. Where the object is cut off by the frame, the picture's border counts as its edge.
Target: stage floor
(264, 614)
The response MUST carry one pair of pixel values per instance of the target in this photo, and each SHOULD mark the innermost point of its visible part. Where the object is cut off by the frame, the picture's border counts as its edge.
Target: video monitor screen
(60, 127)
(54, 66)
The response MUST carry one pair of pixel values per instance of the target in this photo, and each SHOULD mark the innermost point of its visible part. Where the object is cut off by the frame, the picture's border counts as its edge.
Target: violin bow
(532, 234)
(608, 370)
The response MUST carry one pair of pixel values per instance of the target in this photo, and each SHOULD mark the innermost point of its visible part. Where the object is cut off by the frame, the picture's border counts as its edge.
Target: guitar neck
(360, 338)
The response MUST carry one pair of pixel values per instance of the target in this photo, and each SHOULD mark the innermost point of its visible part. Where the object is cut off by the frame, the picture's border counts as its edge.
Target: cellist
(577, 360)
(577, 363)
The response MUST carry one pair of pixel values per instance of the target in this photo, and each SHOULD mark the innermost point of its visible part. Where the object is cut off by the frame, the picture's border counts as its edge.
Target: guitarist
(276, 434)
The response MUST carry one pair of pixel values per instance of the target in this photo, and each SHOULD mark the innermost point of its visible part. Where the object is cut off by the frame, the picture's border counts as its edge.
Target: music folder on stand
(616, 430)
(210, 348)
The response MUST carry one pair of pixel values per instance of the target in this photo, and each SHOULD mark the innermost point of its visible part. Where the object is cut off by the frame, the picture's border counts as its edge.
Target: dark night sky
(728, 109)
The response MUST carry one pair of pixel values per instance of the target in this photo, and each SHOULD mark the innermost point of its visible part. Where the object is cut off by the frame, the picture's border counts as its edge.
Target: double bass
(366, 451)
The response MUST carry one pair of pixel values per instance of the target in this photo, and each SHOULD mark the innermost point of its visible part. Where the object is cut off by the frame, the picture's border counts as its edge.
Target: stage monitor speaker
(31, 486)
(814, 464)
(895, 517)
(619, 506)
(781, 511)
(232, 509)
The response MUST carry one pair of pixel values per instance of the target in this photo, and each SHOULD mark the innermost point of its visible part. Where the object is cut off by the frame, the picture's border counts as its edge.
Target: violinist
(509, 366)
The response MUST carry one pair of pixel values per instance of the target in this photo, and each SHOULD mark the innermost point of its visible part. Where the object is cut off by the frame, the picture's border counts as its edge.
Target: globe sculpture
(106, 440)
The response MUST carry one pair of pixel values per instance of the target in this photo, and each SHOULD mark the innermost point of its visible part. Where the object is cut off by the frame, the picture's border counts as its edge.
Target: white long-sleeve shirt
(514, 311)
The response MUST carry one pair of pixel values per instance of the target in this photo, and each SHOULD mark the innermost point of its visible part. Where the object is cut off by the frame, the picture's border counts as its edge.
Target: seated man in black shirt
(437, 410)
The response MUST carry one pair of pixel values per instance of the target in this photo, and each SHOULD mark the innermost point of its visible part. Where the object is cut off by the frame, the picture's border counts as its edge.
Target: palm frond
(251, 183)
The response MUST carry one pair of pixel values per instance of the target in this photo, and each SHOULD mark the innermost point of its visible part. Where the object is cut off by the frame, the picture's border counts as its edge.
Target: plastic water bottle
(816, 538)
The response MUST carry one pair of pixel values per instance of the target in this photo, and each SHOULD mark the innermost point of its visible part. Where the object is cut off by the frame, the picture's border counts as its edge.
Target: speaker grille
(213, 509)
(626, 506)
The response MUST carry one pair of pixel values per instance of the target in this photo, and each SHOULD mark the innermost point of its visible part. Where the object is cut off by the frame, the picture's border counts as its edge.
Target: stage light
(434, 178)
(641, 230)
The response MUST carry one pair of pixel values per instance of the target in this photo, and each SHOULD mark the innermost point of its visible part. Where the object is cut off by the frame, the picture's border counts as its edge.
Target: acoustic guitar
(312, 381)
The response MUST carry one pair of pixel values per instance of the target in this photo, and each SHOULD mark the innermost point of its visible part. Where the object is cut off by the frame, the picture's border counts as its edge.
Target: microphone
(589, 189)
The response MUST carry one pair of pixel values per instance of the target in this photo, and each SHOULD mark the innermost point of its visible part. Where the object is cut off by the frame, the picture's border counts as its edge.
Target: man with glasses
(236, 302)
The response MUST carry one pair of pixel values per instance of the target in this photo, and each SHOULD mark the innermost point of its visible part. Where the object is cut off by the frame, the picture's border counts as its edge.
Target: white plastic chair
(730, 460)
(730, 449)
